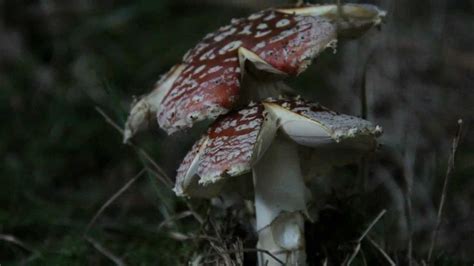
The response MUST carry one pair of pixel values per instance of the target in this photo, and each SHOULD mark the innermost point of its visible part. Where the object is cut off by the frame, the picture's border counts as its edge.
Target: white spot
(177, 93)
(208, 55)
(262, 33)
(214, 69)
(259, 45)
(199, 69)
(248, 112)
(198, 98)
(282, 35)
(230, 32)
(231, 59)
(262, 26)
(270, 17)
(255, 16)
(225, 28)
(188, 69)
(246, 30)
(195, 51)
(224, 35)
(233, 154)
(282, 23)
(219, 37)
(191, 83)
(251, 125)
(209, 35)
(186, 55)
(299, 18)
(230, 47)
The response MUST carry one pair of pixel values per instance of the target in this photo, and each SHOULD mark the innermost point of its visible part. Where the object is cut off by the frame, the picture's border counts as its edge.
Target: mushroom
(275, 42)
(265, 139)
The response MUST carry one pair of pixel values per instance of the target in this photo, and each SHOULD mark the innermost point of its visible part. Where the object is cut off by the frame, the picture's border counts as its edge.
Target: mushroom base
(280, 198)
(284, 239)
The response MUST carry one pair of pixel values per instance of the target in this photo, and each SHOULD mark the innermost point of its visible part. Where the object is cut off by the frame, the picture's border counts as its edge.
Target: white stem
(279, 200)
(254, 89)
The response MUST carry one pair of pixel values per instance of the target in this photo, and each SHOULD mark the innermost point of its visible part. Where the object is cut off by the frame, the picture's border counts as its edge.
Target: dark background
(60, 161)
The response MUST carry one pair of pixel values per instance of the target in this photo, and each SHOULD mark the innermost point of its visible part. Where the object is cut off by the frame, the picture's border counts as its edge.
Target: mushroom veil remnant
(264, 139)
(214, 76)
(352, 20)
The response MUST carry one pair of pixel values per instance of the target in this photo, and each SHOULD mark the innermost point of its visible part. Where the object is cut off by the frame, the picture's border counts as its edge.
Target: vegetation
(61, 160)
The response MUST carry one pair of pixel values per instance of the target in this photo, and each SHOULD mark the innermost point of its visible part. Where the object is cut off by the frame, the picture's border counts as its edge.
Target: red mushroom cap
(231, 143)
(236, 141)
(226, 149)
(280, 41)
(209, 84)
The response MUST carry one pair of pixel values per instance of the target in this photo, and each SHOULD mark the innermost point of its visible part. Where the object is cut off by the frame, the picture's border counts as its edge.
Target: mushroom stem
(256, 90)
(279, 200)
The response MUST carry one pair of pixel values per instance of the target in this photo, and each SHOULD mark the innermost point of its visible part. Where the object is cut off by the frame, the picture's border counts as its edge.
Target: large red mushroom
(212, 77)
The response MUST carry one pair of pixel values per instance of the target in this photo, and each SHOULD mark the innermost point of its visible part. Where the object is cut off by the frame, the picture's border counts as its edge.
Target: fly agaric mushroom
(264, 139)
(277, 41)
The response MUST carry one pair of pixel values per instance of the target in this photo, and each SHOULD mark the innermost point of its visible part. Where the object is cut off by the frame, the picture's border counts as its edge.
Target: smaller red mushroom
(264, 139)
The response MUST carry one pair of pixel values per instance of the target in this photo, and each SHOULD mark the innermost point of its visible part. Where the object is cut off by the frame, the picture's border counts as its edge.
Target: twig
(239, 256)
(410, 229)
(195, 214)
(185, 237)
(364, 162)
(222, 252)
(247, 250)
(353, 255)
(364, 234)
(363, 90)
(408, 176)
(252, 250)
(112, 199)
(380, 249)
(175, 217)
(17, 242)
(179, 236)
(452, 156)
(364, 259)
(161, 175)
(372, 224)
(109, 120)
(105, 251)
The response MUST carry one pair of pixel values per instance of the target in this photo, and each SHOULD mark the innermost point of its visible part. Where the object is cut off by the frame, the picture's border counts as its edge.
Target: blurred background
(61, 161)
